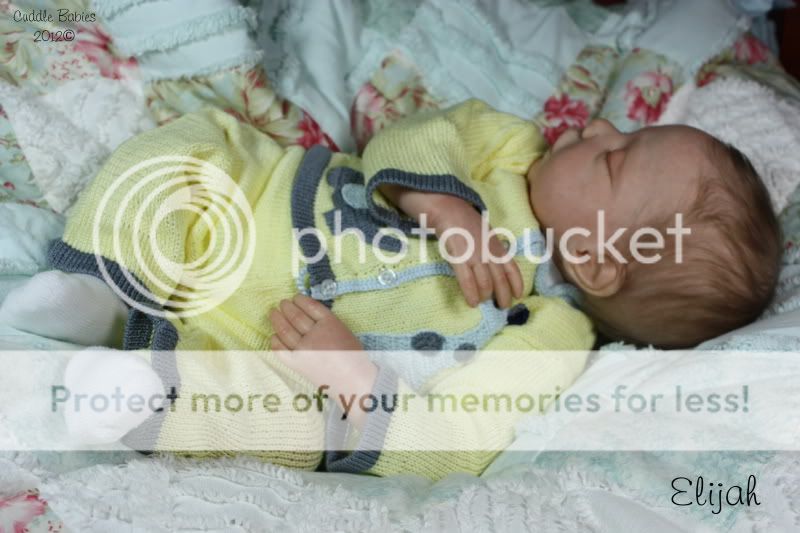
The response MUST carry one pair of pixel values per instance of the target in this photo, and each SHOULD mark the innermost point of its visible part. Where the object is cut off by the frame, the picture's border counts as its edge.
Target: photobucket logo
(645, 244)
(145, 214)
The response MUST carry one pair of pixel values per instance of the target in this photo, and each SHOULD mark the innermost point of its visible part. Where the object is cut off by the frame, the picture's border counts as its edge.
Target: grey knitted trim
(144, 437)
(64, 257)
(304, 194)
(355, 216)
(440, 183)
(141, 330)
(369, 446)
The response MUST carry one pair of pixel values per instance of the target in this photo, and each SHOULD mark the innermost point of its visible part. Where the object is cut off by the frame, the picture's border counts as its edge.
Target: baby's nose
(567, 138)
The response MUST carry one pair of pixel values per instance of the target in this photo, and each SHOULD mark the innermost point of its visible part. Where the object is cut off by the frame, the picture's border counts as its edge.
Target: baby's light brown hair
(728, 271)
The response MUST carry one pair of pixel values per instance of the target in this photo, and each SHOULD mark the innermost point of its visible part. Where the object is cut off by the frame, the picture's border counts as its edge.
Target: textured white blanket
(567, 494)
(752, 117)
(68, 133)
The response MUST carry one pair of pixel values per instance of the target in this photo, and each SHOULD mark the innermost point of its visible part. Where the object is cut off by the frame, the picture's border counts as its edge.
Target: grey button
(428, 342)
(327, 289)
(464, 352)
(387, 277)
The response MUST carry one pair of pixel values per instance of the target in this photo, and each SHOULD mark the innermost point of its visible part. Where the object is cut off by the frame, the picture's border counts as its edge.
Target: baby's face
(635, 178)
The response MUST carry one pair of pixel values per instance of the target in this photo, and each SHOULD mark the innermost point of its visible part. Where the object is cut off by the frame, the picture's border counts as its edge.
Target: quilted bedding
(69, 89)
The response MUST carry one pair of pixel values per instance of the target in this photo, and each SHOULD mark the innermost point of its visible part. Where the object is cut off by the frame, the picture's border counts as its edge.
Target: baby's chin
(534, 177)
(537, 165)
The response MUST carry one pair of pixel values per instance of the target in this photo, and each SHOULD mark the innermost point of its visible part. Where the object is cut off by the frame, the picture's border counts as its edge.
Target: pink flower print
(95, 44)
(647, 96)
(369, 112)
(369, 100)
(312, 134)
(19, 511)
(706, 77)
(562, 113)
(748, 49)
(8, 185)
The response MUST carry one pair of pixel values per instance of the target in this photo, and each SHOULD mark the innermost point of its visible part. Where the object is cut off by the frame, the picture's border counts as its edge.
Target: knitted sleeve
(448, 151)
(465, 416)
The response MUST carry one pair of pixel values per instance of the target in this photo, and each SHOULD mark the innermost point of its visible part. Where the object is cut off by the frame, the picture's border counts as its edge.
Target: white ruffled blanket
(68, 133)
(557, 491)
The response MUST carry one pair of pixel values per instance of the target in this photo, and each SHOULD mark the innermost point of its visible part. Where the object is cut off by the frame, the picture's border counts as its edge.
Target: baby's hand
(303, 323)
(478, 280)
(304, 328)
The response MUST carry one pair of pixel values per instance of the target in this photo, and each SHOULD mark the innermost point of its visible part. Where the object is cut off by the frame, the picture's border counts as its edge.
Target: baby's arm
(434, 163)
(478, 277)
(306, 335)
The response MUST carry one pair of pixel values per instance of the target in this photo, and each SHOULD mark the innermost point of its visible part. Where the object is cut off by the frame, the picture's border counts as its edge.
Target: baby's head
(716, 279)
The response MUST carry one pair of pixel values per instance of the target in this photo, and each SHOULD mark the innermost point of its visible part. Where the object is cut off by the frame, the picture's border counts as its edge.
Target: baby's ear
(591, 276)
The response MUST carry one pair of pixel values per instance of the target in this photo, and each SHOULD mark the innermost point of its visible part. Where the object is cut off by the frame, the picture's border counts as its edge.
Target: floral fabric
(245, 94)
(44, 65)
(580, 94)
(394, 91)
(631, 91)
(28, 513)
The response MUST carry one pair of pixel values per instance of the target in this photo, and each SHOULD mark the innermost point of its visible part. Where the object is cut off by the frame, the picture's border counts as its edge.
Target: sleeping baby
(663, 237)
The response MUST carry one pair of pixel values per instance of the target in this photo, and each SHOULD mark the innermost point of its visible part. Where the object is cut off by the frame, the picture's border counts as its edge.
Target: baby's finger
(467, 283)
(296, 316)
(286, 333)
(499, 250)
(484, 280)
(313, 308)
(277, 345)
(502, 290)
(515, 278)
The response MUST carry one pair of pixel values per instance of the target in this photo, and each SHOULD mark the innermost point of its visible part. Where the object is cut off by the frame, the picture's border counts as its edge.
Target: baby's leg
(76, 308)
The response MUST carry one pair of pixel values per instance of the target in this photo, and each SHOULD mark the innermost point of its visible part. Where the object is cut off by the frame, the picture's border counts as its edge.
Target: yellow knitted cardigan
(412, 306)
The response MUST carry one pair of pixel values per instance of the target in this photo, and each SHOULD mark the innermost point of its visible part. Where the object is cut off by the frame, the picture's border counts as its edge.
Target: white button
(387, 277)
(327, 289)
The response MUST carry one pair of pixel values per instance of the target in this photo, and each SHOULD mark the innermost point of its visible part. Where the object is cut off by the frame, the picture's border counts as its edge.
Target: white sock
(76, 308)
(115, 377)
